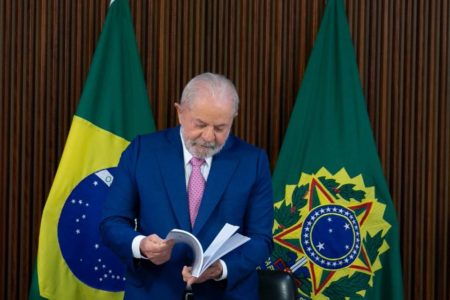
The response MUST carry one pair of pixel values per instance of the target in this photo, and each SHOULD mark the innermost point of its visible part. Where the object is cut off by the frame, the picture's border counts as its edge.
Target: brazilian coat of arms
(329, 234)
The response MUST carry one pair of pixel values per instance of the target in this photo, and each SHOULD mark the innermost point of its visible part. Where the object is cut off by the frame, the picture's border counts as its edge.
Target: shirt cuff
(224, 271)
(135, 247)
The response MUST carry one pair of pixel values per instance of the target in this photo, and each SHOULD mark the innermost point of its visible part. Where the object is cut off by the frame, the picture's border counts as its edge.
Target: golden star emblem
(329, 261)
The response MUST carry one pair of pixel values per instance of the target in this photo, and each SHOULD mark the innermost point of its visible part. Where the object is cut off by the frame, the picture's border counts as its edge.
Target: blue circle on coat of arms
(330, 236)
(79, 239)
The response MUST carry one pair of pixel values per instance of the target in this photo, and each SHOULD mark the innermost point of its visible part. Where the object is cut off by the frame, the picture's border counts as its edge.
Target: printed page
(182, 236)
(232, 243)
(224, 242)
(227, 231)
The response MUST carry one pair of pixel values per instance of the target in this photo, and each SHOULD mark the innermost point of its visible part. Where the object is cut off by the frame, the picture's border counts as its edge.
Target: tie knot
(196, 162)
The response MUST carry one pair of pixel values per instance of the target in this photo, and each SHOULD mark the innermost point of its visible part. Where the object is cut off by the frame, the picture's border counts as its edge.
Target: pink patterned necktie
(196, 186)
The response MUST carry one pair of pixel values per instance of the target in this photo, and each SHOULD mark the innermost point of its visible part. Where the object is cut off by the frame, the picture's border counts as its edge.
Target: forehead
(209, 109)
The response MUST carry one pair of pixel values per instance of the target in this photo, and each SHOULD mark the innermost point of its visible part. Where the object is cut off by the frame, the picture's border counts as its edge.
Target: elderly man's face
(206, 124)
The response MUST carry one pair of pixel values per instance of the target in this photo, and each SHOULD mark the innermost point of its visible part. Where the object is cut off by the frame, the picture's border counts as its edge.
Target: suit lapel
(222, 169)
(172, 169)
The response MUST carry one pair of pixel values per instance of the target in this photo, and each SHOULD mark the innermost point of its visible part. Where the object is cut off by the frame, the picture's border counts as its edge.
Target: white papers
(181, 236)
(226, 241)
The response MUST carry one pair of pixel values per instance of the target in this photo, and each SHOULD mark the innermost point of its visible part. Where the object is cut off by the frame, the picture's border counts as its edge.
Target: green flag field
(72, 263)
(335, 226)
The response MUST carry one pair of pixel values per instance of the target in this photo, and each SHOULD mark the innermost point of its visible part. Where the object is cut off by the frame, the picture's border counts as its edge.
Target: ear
(179, 109)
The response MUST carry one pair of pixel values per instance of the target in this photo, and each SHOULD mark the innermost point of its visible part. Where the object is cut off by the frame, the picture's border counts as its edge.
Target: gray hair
(217, 85)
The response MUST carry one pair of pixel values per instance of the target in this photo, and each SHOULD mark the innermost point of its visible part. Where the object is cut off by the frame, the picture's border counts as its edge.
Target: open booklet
(226, 241)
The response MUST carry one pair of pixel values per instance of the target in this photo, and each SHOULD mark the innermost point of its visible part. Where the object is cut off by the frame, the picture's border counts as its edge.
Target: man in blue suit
(151, 194)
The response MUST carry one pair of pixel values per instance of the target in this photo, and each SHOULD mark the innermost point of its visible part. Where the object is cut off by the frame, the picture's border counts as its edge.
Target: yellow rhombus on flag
(72, 263)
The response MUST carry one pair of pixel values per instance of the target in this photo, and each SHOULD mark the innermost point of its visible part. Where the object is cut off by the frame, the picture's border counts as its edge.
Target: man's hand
(213, 272)
(157, 250)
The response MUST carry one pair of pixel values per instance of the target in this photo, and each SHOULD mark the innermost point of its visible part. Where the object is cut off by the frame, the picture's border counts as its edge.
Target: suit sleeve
(258, 226)
(117, 227)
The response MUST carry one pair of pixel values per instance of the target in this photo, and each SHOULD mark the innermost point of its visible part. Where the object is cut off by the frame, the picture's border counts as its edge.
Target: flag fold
(72, 262)
(335, 224)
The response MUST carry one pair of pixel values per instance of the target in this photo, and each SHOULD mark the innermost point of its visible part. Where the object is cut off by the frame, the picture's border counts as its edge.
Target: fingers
(187, 276)
(157, 250)
(212, 272)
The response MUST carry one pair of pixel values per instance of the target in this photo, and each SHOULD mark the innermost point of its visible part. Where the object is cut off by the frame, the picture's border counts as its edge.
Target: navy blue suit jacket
(150, 186)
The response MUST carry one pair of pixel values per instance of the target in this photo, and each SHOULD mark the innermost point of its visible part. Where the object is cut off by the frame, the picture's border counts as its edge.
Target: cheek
(192, 133)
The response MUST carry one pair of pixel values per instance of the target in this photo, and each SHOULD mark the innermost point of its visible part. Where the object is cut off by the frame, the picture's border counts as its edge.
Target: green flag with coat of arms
(335, 226)
(72, 262)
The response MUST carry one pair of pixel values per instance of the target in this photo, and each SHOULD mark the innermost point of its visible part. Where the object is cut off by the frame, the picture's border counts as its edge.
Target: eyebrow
(214, 125)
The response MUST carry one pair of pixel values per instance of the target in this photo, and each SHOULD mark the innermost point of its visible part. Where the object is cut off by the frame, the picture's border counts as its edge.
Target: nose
(208, 134)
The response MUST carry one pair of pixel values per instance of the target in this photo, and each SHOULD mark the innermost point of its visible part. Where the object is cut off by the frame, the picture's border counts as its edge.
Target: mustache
(204, 144)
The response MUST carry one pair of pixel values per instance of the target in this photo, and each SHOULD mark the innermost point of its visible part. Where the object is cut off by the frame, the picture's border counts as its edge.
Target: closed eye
(220, 128)
(200, 124)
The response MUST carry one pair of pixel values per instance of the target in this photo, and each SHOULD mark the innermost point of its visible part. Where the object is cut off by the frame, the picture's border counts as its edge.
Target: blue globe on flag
(331, 236)
(79, 239)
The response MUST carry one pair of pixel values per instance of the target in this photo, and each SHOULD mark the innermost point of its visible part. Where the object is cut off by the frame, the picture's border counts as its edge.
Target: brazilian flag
(72, 262)
(335, 226)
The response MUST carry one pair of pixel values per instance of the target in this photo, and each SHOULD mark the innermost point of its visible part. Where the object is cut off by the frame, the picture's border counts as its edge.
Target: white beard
(199, 148)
